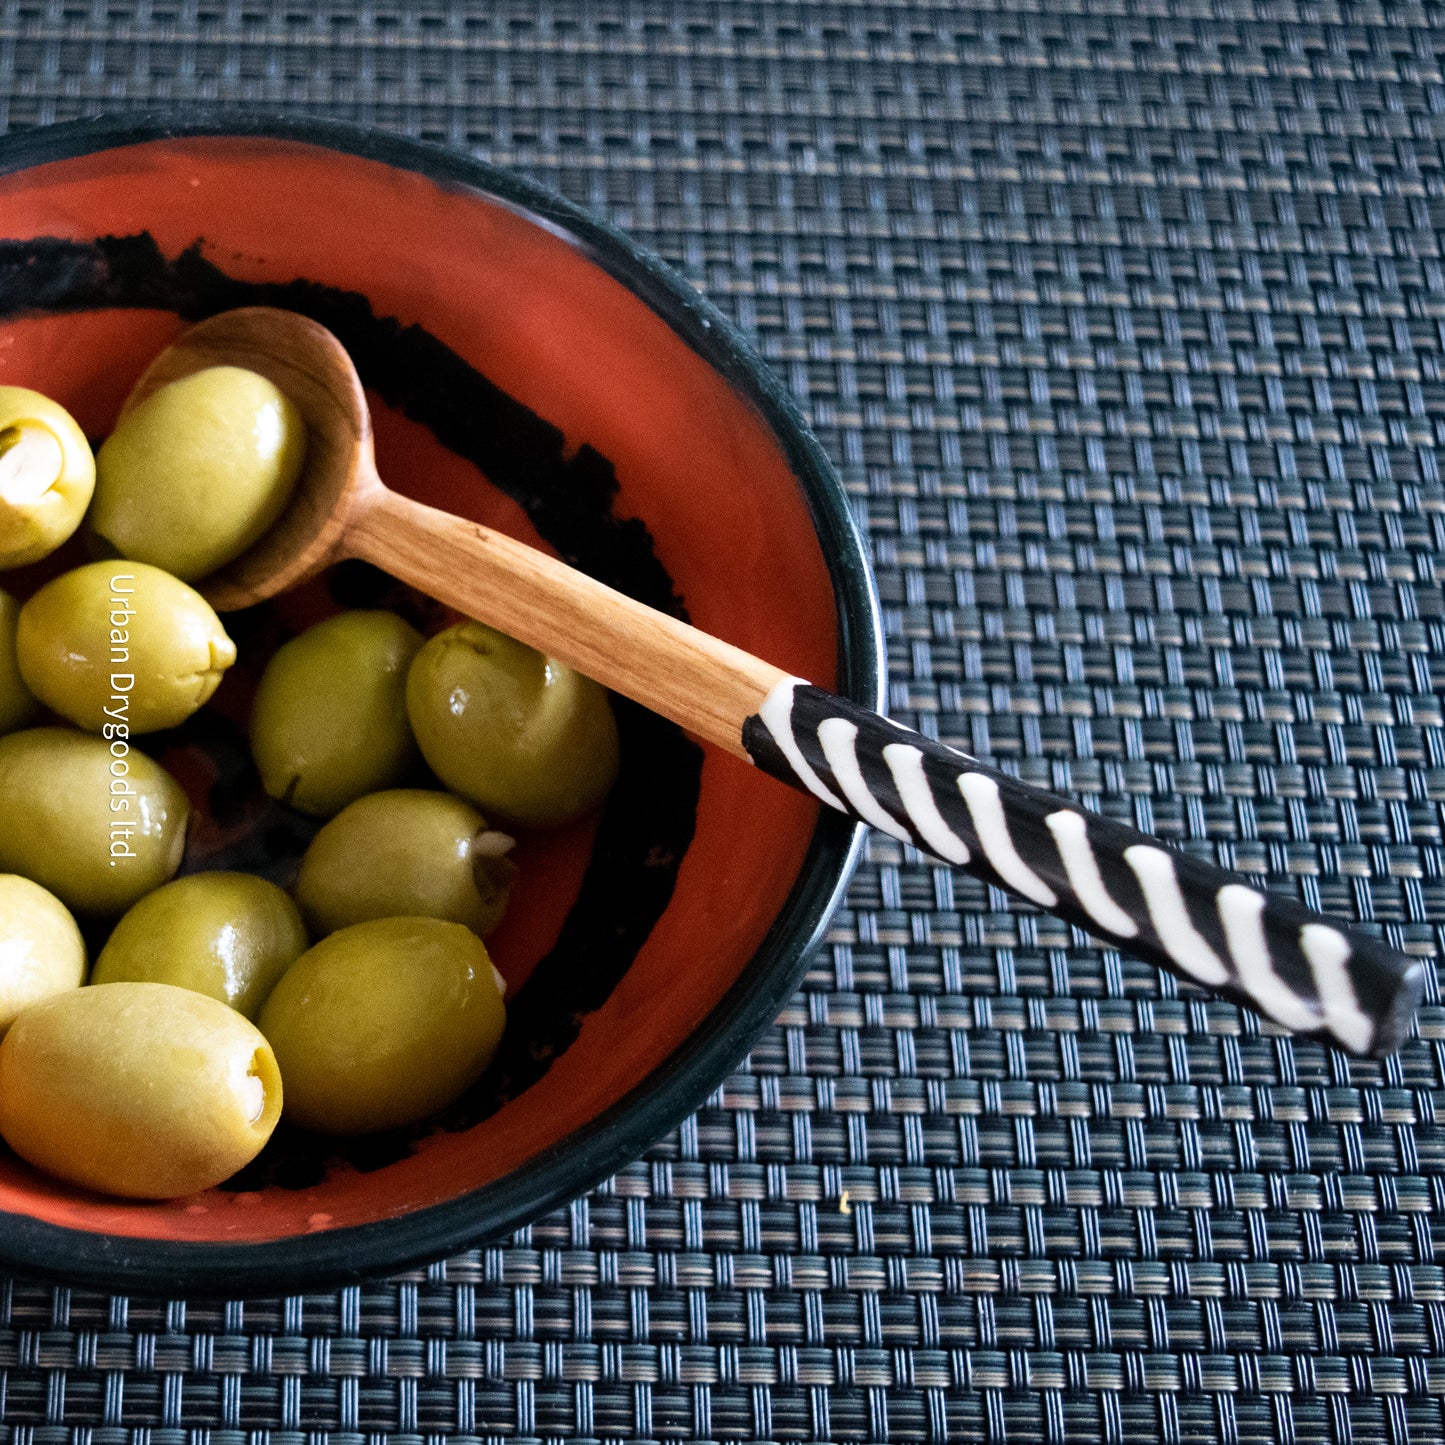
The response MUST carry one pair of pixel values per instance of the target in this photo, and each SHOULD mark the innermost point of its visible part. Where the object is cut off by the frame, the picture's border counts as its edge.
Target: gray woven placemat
(1125, 326)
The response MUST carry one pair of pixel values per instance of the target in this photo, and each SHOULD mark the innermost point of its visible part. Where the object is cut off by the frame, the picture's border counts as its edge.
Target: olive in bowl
(99, 828)
(532, 371)
(406, 852)
(47, 476)
(140, 1090)
(42, 952)
(198, 471)
(329, 722)
(227, 935)
(121, 644)
(524, 737)
(384, 1023)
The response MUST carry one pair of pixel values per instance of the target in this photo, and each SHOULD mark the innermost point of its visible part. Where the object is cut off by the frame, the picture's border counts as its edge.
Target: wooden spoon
(1305, 971)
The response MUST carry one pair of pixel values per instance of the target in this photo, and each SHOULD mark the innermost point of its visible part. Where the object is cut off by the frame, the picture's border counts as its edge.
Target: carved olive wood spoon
(1303, 970)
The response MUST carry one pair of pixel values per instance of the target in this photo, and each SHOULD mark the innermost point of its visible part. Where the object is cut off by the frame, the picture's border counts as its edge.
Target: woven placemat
(1125, 327)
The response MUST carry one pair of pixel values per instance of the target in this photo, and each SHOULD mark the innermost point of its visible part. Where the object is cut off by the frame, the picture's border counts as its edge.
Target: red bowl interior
(529, 308)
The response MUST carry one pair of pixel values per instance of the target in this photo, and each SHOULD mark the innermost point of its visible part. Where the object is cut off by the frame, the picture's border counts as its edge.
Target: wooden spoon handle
(708, 686)
(1174, 910)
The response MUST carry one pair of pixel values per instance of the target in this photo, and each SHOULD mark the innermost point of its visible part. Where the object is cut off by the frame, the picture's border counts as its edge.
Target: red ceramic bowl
(534, 370)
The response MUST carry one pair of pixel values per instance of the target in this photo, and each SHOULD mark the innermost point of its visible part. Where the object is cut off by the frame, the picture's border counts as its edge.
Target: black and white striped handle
(1212, 927)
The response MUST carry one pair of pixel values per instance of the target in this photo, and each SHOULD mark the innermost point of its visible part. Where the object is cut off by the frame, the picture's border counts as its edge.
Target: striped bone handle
(1211, 927)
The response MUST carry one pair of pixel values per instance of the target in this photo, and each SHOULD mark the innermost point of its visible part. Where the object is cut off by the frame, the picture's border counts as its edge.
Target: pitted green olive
(17, 703)
(525, 738)
(228, 935)
(47, 475)
(199, 471)
(97, 823)
(121, 643)
(384, 1023)
(408, 852)
(137, 1089)
(41, 950)
(329, 721)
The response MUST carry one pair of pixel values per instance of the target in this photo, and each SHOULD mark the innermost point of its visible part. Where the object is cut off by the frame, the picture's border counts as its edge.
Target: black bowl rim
(699, 1066)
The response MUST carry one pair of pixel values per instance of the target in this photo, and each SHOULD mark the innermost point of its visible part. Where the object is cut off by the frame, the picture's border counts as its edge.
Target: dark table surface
(1124, 323)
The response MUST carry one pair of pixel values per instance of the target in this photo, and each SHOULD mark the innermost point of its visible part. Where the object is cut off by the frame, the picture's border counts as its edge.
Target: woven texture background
(1125, 326)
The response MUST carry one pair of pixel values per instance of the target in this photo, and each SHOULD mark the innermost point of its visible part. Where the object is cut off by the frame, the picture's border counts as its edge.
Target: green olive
(522, 736)
(329, 722)
(199, 471)
(47, 475)
(17, 702)
(41, 950)
(121, 643)
(384, 1023)
(229, 935)
(95, 822)
(137, 1089)
(408, 852)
